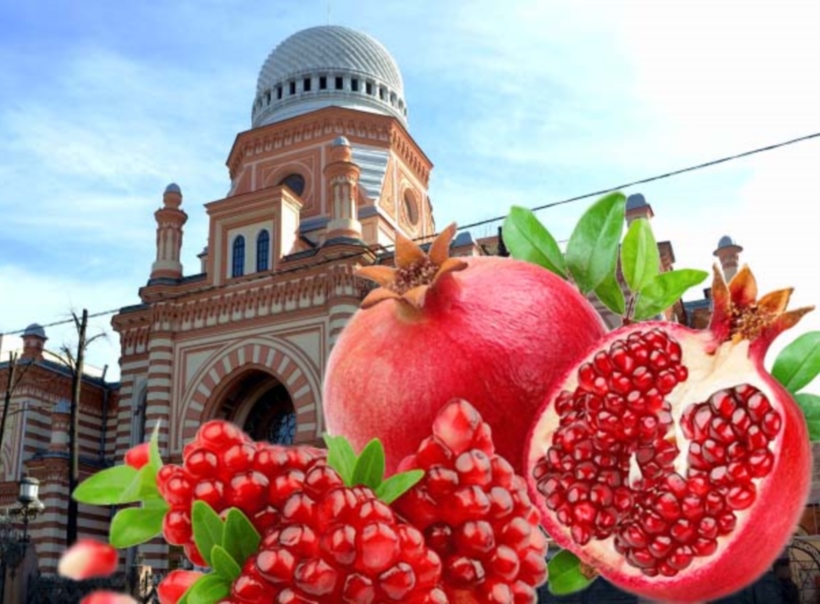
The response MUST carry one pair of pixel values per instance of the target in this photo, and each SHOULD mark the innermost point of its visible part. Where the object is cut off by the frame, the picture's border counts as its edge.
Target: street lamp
(30, 504)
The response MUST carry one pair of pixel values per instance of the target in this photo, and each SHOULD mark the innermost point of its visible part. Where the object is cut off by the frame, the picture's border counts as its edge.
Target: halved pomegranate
(669, 459)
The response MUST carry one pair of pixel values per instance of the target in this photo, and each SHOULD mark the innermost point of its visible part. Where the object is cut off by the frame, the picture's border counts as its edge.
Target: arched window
(238, 267)
(262, 251)
(295, 182)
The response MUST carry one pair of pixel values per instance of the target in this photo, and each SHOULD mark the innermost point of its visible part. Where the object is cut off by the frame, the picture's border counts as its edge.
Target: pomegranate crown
(739, 315)
(415, 271)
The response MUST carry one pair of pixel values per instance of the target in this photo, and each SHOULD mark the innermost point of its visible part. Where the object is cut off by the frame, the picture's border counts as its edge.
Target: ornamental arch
(250, 384)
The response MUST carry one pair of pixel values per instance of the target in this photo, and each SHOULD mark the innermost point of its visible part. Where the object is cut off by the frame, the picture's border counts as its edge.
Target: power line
(568, 200)
(642, 181)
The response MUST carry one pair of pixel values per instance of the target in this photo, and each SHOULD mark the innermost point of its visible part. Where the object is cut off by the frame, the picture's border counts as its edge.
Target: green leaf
(154, 458)
(341, 456)
(664, 290)
(527, 239)
(799, 362)
(610, 293)
(369, 469)
(810, 404)
(224, 564)
(240, 538)
(105, 487)
(132, 526)
(208, 589)
(592, 251)
(565, 576)
(640, 259)
(144, 486)
(208, 527)
(397, 485)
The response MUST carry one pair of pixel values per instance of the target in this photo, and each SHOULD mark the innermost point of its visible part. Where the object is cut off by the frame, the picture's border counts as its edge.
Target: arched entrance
(260, 404)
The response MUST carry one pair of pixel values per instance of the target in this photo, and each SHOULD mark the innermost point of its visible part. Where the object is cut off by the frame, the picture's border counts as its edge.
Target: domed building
(320, 184)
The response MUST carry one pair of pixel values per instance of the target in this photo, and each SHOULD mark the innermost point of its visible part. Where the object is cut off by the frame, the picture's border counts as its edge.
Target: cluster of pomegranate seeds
(224, 468)
(610, 470)
(339, 544)
(475, 512)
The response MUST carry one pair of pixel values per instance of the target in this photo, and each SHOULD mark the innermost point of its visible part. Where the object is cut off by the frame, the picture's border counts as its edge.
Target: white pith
(728, 367)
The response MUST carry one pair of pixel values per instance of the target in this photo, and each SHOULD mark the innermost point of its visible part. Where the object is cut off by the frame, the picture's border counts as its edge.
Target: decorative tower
(342, 177)
(34, 337)
(637, 207)
(728, 252)
(170, 220)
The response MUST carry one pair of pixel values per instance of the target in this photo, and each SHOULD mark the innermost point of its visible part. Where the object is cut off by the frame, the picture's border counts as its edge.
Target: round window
(295, 182)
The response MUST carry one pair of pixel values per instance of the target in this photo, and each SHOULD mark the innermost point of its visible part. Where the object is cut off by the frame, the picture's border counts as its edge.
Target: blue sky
(517, 102)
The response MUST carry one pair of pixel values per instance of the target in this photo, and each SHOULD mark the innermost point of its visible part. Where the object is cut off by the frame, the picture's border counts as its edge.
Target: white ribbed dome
(328, 66)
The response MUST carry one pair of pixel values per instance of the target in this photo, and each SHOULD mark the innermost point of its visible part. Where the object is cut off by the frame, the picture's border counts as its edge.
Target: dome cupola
(328, 66)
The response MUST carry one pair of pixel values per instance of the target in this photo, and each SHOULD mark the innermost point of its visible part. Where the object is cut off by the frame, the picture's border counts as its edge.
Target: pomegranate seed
(584, 512)
(635, 536)
(760, 463)
(757, 405)
(315, 577)
(714, 502)
(504, 563)
(735, 451)
(601, 495)
(586, 471)
(475, 537)
(359, 588)
(378, 547)
(722, 431)
(740, 497)
(210, 491)
(398, 581)
(641, 558)
(680, 558)
(708, 527)
(723, 403)
(602, 363)
(620, 383)
(699, 485)
(586, 377)
(756, 439)
(704, 547)
(299, 539)
(666, 381)
(737, 472)
(464, 571)
(683, 531)
(740, 421)
(771, 424)
(660, 546)
(581, 534)
(642, 379)
(658, 360)
(176, 527)
(578, 492)
(623, 361)
(667, 506)
(473, 467)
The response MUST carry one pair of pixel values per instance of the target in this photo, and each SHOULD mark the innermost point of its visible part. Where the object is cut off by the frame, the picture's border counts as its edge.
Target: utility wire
(546, 206)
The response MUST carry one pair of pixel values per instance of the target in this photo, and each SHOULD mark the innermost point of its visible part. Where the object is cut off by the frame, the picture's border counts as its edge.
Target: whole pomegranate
(668, 459)
(495, 331)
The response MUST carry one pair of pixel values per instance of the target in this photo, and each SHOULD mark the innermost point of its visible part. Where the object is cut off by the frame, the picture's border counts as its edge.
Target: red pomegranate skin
(762, 531)
(498, 333)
